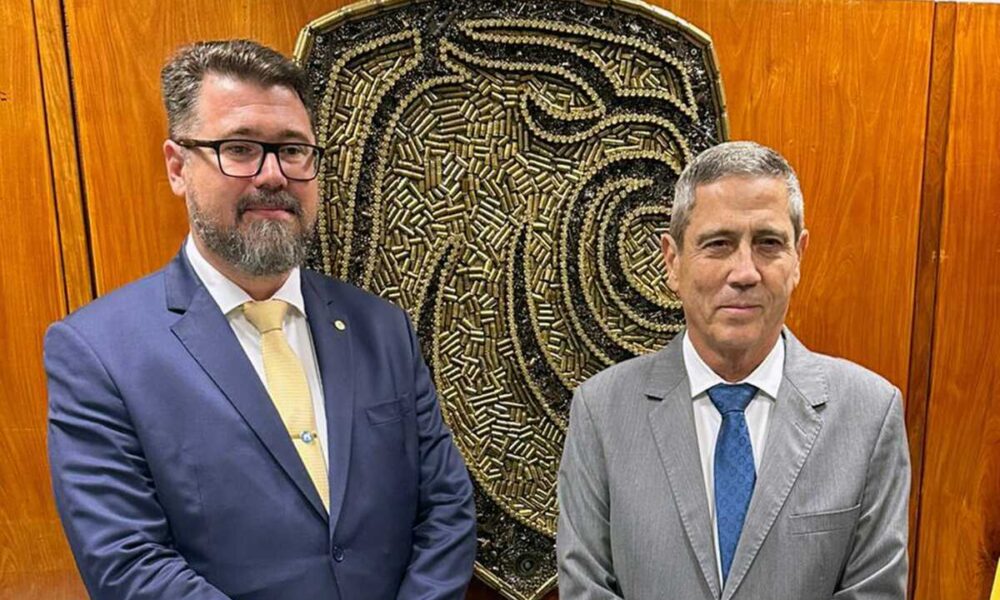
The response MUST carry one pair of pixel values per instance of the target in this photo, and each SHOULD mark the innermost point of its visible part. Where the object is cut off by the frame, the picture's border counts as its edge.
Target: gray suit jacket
(828, 517)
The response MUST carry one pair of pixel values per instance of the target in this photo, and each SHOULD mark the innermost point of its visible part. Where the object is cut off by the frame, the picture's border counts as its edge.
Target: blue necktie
(735, 474)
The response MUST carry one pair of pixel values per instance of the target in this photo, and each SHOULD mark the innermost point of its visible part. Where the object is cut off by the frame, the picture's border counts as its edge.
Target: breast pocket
(386, 412)
(385, 454)
(833, 520)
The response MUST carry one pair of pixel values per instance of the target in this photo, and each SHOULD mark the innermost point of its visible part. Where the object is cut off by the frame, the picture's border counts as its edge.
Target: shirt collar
(766, 377)
(230, 296)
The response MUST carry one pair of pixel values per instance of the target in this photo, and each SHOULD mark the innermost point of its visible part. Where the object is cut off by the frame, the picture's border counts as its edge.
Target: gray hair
(246, 60)
(733, 159)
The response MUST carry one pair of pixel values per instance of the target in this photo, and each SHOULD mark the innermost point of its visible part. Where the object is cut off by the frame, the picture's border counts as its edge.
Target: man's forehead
(742, 182)
(739, 193)
(227, 92)
(237, 107)
(741, 204)
(254, 132)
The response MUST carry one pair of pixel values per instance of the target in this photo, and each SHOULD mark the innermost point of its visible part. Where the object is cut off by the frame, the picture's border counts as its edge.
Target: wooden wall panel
(51, 33)
(928, 246)
(34, 558)
(960, 513)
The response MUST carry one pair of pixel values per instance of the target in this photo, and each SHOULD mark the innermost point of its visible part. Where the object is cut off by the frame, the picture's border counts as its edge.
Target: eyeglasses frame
(269, 148)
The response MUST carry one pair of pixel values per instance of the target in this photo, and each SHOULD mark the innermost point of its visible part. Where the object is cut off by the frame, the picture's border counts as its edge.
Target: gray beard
(262, 248)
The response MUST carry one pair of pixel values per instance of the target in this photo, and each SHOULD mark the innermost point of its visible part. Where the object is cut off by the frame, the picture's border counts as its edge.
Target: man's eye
(237, 150)
(294, 151)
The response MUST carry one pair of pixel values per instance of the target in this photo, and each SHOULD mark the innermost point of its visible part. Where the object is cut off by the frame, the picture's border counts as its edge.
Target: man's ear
(800, 250)
(671, 260)
(173, 156)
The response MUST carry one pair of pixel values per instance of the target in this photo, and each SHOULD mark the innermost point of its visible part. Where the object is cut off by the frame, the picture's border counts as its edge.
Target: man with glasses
(233, 426)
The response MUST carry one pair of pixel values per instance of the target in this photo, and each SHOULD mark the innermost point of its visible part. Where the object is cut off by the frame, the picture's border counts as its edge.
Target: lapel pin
(340, 325)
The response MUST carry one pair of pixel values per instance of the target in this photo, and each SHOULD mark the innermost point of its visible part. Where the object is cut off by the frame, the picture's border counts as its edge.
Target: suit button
(338, 553)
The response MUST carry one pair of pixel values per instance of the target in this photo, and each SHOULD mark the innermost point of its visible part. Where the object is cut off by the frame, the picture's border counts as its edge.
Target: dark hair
(245, 60)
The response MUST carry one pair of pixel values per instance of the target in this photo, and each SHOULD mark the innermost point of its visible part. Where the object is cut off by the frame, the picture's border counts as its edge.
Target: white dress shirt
(707, 419)
(230, 297)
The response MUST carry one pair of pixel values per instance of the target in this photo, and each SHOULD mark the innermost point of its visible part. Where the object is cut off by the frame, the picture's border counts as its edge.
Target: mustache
(270, 201)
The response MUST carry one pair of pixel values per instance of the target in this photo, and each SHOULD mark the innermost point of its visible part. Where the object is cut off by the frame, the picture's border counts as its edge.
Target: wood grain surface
(61, 137)
(928, 246)
(33, 554)
(960, 514)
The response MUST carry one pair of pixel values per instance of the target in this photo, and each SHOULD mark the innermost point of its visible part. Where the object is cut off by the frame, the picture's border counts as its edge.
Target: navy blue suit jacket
(175, 478)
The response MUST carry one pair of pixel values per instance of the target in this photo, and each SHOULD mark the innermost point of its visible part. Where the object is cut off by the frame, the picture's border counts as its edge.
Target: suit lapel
(207, 336)
(792, 431)
(334, 357)
(673, 428)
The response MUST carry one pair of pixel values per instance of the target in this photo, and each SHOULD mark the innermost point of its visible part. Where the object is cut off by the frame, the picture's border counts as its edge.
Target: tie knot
(729, 398)
(267, 315)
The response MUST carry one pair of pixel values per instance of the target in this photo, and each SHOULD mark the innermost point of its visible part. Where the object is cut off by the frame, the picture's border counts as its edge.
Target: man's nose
(270, 176)
(744, 272)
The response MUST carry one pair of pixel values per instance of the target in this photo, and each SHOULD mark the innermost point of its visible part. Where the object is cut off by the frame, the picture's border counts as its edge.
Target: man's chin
(256, 219)
(737, 337)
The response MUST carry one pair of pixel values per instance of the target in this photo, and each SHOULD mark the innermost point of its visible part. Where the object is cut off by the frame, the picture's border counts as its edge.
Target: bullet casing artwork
(503, 170)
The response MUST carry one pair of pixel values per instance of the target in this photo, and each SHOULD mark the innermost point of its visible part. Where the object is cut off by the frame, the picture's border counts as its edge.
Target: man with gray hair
(734, 463)
(235, 426)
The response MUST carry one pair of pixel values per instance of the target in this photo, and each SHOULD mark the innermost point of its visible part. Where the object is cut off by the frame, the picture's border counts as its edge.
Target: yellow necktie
(996, 584)
(286, 383)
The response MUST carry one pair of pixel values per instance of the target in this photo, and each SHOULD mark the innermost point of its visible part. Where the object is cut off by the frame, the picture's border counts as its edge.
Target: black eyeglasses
(245, 158)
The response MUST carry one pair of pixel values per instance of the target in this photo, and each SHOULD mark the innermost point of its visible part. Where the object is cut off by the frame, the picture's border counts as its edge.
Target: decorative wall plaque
(503, 170)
